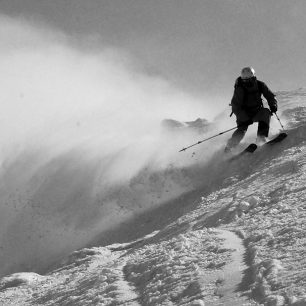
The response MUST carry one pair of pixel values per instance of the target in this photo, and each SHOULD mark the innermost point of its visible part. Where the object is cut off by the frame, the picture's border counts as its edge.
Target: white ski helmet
(247, 73)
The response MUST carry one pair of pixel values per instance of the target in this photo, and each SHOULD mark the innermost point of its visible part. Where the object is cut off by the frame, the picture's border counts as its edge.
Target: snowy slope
(234, 234)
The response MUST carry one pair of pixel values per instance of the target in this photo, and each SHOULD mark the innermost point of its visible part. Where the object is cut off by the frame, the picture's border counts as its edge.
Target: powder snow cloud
(73, 126)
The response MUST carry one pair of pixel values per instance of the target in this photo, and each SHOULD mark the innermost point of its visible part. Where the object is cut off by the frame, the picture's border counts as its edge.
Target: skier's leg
(263, 129)
(237, 136)
(263, 119)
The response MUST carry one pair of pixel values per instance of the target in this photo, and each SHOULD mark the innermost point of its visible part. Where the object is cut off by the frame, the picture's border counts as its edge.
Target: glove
(273, 108)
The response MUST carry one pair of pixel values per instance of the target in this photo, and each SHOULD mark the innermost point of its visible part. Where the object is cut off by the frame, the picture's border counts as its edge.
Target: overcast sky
(199, 45)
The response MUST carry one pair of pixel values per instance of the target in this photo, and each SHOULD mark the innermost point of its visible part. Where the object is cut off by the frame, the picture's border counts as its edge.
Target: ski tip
(249, 149)
(277, 139)
(252, 147)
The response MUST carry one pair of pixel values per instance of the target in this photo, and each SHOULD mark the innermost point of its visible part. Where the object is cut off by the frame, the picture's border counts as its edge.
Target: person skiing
(248, 107)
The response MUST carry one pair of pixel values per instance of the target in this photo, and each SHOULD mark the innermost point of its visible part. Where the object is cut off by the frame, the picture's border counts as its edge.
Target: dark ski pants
(263, 117)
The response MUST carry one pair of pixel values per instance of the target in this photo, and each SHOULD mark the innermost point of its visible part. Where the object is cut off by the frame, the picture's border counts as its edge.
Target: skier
(248, 107)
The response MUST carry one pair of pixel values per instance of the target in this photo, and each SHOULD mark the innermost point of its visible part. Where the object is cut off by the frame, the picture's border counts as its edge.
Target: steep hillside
(235, 235)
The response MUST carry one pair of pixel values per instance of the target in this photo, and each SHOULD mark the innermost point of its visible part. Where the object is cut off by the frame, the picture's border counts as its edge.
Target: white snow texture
(211, 232)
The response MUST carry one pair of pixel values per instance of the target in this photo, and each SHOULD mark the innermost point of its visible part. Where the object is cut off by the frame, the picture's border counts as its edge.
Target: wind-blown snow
(179, 253)
(82, 148)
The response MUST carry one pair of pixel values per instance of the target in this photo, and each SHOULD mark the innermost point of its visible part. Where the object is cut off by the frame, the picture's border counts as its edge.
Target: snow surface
(223, 234)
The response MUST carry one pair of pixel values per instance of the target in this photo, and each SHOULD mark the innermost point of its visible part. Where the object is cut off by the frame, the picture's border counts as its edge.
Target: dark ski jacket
(246, 101)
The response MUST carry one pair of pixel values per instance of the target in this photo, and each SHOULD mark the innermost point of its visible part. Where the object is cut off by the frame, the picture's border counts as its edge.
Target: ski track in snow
(243, 243)
(232, 274)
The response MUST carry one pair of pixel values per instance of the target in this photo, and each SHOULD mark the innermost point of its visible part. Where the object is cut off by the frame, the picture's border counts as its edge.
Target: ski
(253, 147)
(276, 139)
(249, 149)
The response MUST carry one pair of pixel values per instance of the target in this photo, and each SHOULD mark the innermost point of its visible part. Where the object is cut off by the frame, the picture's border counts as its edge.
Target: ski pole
(279, 121)
(184, 149)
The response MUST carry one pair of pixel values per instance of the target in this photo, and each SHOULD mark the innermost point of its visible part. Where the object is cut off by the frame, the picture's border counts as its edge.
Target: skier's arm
(270, 97)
